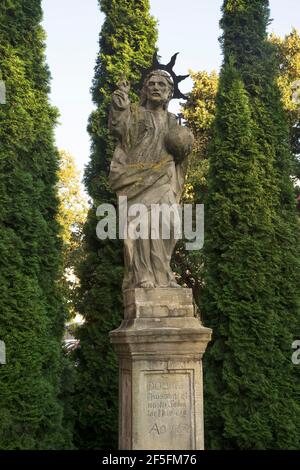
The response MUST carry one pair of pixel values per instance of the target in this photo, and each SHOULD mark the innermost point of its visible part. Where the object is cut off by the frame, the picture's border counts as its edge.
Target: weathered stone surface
(161, 341)
(156, 303)
(148, 167)
(161, 396)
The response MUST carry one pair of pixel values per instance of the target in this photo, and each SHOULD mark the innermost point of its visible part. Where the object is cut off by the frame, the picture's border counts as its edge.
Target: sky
(190, 27)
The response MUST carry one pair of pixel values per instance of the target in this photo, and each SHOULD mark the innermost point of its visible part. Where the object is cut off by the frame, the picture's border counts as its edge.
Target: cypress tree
(31, 308)
(251, 295)
(127, 43)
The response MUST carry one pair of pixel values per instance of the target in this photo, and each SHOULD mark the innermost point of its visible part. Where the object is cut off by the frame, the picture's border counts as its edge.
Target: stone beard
(148, 167)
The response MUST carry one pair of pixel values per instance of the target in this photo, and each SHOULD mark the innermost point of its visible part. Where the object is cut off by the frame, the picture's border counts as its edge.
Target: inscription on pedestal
(160, 345)
(168, 410)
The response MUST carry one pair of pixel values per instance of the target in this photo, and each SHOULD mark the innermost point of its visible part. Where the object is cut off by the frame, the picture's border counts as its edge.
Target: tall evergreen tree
(251, 295)
(199, 112)
(31, 309)
(127, 43)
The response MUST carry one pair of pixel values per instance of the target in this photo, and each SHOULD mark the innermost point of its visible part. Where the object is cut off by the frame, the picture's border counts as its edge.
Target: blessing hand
(123, 85)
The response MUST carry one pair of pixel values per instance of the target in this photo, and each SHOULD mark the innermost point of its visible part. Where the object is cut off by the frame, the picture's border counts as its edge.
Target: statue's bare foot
(146, 285)
(175, 285)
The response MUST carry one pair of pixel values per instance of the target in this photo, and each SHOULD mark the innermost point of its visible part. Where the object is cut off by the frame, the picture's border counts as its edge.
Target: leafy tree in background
(199, 113)
(200, 108)
(72, 213)
(251, 295)
(31, 307)
(127, 43)
(288, 52)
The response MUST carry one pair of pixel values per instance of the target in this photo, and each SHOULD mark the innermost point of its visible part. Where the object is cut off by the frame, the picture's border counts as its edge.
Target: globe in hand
(179, 142)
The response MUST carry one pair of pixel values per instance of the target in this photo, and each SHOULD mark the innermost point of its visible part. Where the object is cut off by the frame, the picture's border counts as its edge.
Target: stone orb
(179, 142)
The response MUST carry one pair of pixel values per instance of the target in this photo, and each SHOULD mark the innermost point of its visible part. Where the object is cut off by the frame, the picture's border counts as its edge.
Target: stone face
(161, 396)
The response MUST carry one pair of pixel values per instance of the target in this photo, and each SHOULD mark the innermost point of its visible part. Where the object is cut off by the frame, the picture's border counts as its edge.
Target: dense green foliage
(127, 43)
(288, 54)
(199, 113)
(31, 309)
(251, 295)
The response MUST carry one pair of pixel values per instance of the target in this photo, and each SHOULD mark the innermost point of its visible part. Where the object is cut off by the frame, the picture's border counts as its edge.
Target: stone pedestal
(160, 345)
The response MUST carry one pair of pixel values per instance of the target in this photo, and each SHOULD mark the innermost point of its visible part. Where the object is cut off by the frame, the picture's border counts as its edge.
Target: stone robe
(144, 171)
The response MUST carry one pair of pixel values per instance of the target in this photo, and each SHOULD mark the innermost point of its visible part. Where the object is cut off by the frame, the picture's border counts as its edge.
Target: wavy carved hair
(161, 73)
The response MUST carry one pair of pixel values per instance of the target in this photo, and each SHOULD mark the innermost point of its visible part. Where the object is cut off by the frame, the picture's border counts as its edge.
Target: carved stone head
(158, 87)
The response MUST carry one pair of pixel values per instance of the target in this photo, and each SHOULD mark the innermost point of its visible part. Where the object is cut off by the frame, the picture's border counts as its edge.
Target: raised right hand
(123, 85)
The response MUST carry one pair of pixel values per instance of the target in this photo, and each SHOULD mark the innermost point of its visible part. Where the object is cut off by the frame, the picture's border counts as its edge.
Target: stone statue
(148, 167)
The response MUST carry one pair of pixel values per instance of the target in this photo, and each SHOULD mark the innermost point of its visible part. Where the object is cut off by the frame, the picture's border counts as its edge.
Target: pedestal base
(160, 345)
